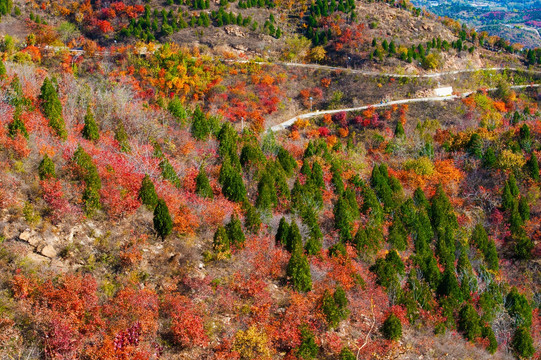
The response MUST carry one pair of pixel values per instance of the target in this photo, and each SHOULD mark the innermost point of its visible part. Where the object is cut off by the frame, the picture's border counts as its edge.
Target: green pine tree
(532, 167)
(163, 225)
(234, 232)
(200, 125)
(343, 219)
(469, 322)
(298, 271)
(202, 185)
(523, 343)
(308, 348)
(399, 129)
(294, 238)
(90, 129)
(147, 193)
(252, 219)
(46, 168)
(392, 328)
(282, 233)
(121, 136)
(52, 107)
(221, 241)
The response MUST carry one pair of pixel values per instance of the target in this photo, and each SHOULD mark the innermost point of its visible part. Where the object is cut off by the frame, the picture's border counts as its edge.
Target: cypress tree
(475, 146)
(392, 327)
(523, 343)
(351, 199)
(513, 185)
(252, 219)
(147, 193)
(330, 310)
(399, 129)
(46, 168)
(523, 247)
(122, 137)
(491, 256)
(90, 176)
(317, 175)
(337, 182)
(90, 130)
(398, 236)
(220, 242)
(266, 197)
(227, 136)
(169, 172)
(52, 108)
(17, 125)
(308, 348)
(306, 170)
(298, 271)
(468, 322)
(286, 160)
(532, 167)
(488, 334)
(519, 308)
(162, 220)
(3, 71)
(282, 233)
(343, 220)
(234, 232)
(449, 285)
(294, 239)
(202, 185)
(233, 186)
(489, 158)
(347, 354)
(200, 125)
(420, 200)
(508, 200)
(524, 208)
(313, 245)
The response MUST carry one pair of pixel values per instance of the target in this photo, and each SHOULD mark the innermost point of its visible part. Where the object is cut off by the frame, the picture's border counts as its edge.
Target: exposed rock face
(234, 30)
(43, 243)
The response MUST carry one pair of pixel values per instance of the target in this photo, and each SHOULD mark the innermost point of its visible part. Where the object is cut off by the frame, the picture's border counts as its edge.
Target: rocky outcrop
(43, 243)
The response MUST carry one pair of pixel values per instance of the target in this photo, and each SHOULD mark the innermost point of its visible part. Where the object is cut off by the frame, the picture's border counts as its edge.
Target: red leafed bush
(323, 131)
(54, 198)
(104, 26)
(187, 326)
(341, 118)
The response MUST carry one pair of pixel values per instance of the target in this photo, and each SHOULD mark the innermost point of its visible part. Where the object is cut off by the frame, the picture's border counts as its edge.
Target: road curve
(284, 125)
(377, 73)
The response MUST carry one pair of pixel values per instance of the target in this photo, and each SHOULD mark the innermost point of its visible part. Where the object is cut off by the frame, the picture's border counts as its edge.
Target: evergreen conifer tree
(147, 193)
(52, 107)
(343, 219)
(252, 219)
(46, 168)
(298, 271)
(122, 137)
(468, 322)
(202, 185)
(282, 233)
(523, 343)
(200, 125)
(90, 130)
(221, 242)
(162, 219)
(398, 236)
(294, 238)
(532, 167)
(234, 232)
(392, 327)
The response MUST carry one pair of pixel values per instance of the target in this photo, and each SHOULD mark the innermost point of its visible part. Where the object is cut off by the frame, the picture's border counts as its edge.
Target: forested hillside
(149, 210)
